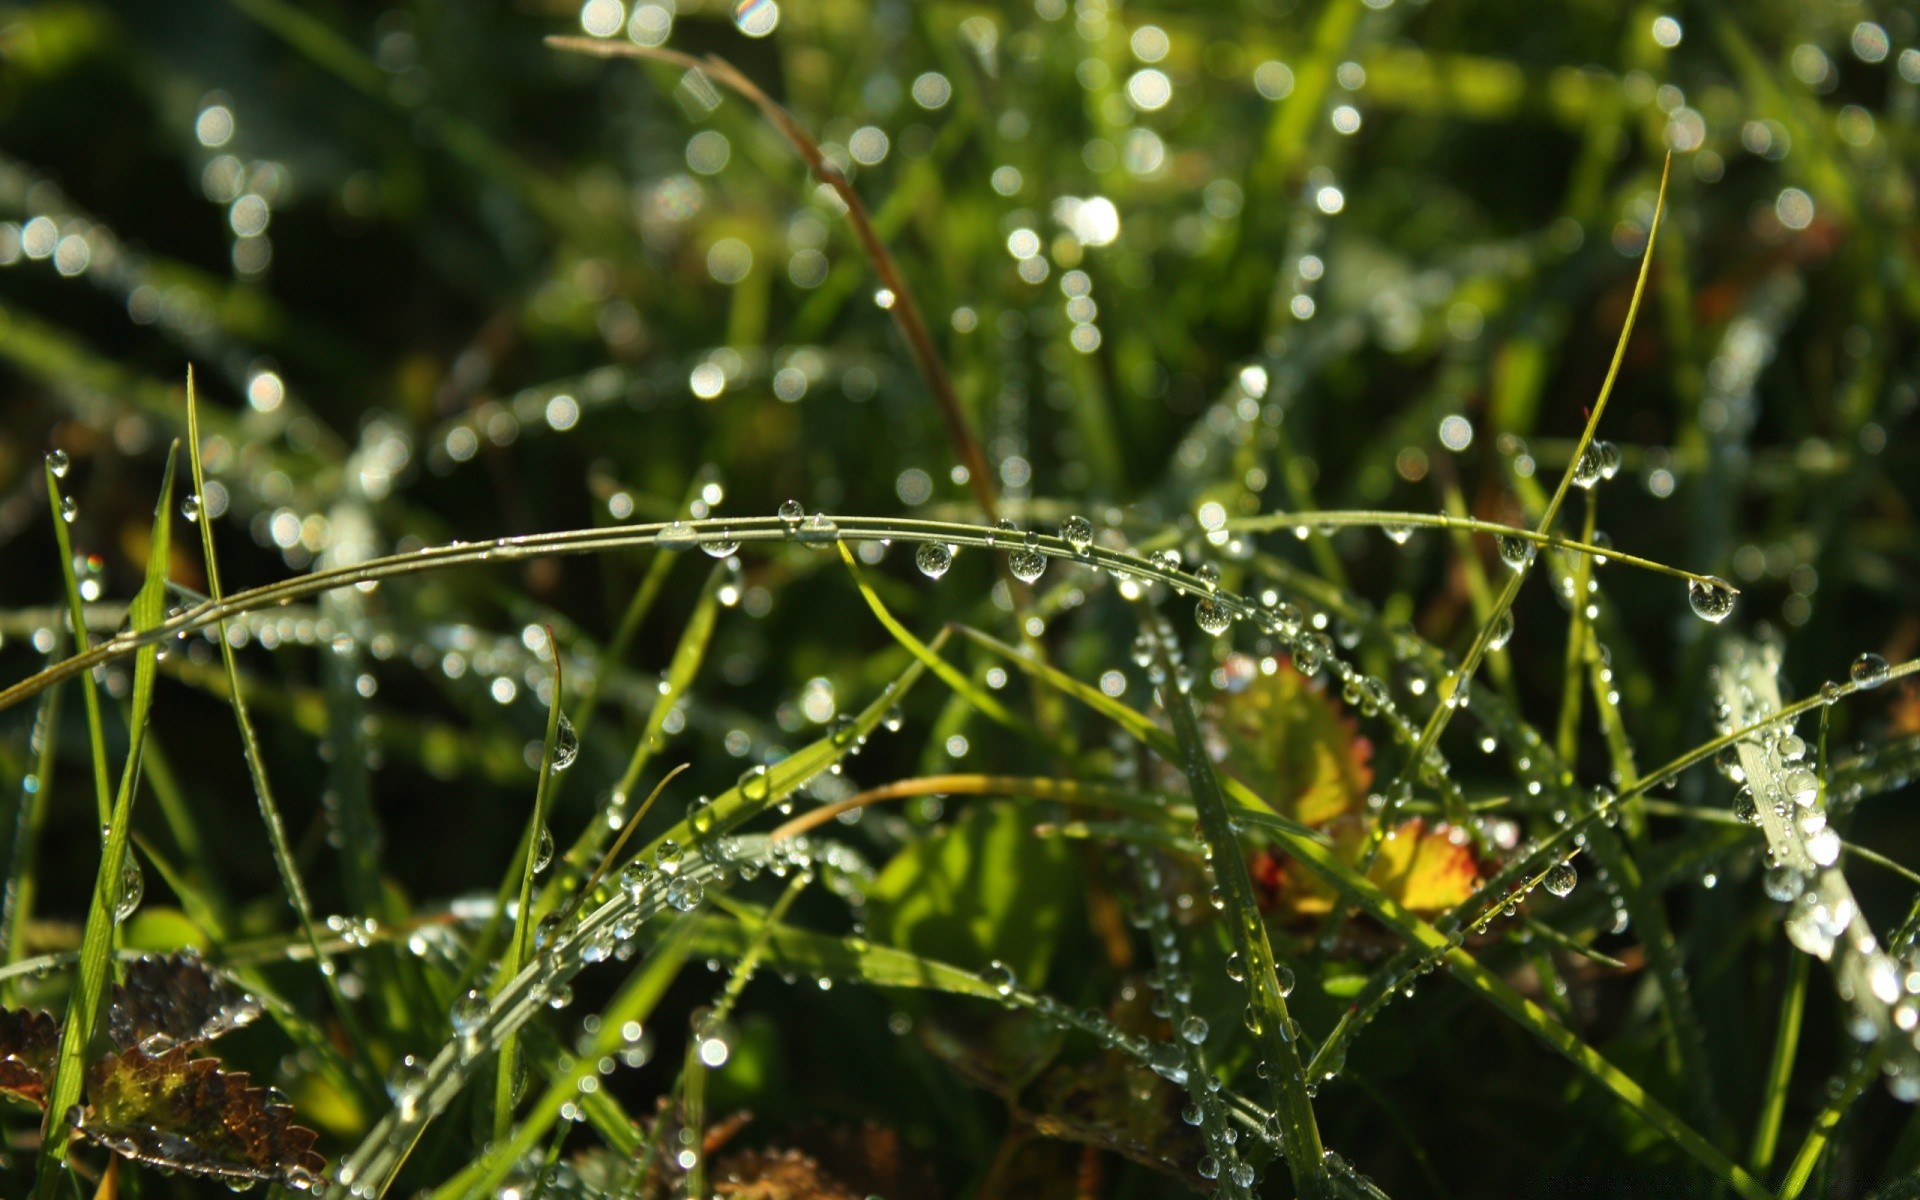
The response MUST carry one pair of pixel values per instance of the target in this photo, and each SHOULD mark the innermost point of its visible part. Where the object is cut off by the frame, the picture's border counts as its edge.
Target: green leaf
(1289, 741)
(983, 888)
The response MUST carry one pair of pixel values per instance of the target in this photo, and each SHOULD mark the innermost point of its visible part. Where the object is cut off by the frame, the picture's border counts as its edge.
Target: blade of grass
(1442, 713)
(149, 609)
(96, 725)
(36, 793)
(521, 943)
(1300, 1133)
(371, 1088)
(693, 1076)
(634, 1003)
(1786, 1042)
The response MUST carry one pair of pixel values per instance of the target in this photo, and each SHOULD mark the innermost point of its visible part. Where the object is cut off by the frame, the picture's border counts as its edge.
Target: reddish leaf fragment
(186, 1114)
(29, 1043)
(175, 1000)
(1426, 869)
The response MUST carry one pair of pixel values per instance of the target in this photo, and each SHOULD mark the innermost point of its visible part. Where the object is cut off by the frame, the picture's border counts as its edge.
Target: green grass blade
(1786, 1042)
(36, 792)
(642, 993)
(521, 943)
(1267, 1005)
(96, 726)
(282, 850)
(149, 609)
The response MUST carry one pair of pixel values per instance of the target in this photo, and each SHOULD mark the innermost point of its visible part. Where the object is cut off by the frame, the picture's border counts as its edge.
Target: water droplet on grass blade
(542, 850)
(1502, 632)
(1027, 564)
(817, 531)
(566, 744)
(792, 512)
(1194, 1030)
(190, 507)
(1000, 977)
(58, 463)
(1212, 616)
(933, 559)
(1516, 552)
(69, 509)
(133, 887)
(1078, 532)
(720, 545)
(1560, 879)
(1711, 599)
(1869, 670)
(404, 1085)
(1587, 471)
(684, 894)
(634, 879)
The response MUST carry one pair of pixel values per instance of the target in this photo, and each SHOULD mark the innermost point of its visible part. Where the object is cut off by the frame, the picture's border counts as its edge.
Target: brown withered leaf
(29, 1043)
(175, 1000)
(186, 1114)
(777, 1175)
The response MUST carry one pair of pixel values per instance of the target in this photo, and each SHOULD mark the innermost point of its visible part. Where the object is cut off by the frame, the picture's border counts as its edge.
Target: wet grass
(968, 602)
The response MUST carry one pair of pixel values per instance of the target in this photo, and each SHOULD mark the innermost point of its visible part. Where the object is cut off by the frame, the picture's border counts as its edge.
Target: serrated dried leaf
(29, 1043)
(186, 1114)
(175, 1000)
(777, 1175)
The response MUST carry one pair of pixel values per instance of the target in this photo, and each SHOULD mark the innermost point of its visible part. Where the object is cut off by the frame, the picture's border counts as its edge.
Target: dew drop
(404, 1085)
(1000, 977)
(1284, 974)
(1712, 600)
(791, 512)
(1236, 968)
(817, 531)
(58, 463)
(684, 894)
(1027, 564)
(1212, 616)
(667, 856)
(933, 559)
(551, 931)
(701, 816)
(1078, 532)
(566, 744)
(677, 536)
(543, 850)
(1561, 878)
(133, 886)
(468, 1013)
(1168, 1062)
(719, 545)
(1502, 632)
(1516, 552)
(69, 509)
(190, 507)
(1397, 533)
(1587, 472)
(634, 879)
(1194, 1030)
(1869, 670)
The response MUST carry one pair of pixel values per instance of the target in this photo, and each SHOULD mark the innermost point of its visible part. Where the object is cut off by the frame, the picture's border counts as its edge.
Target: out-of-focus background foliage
(439, 280)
